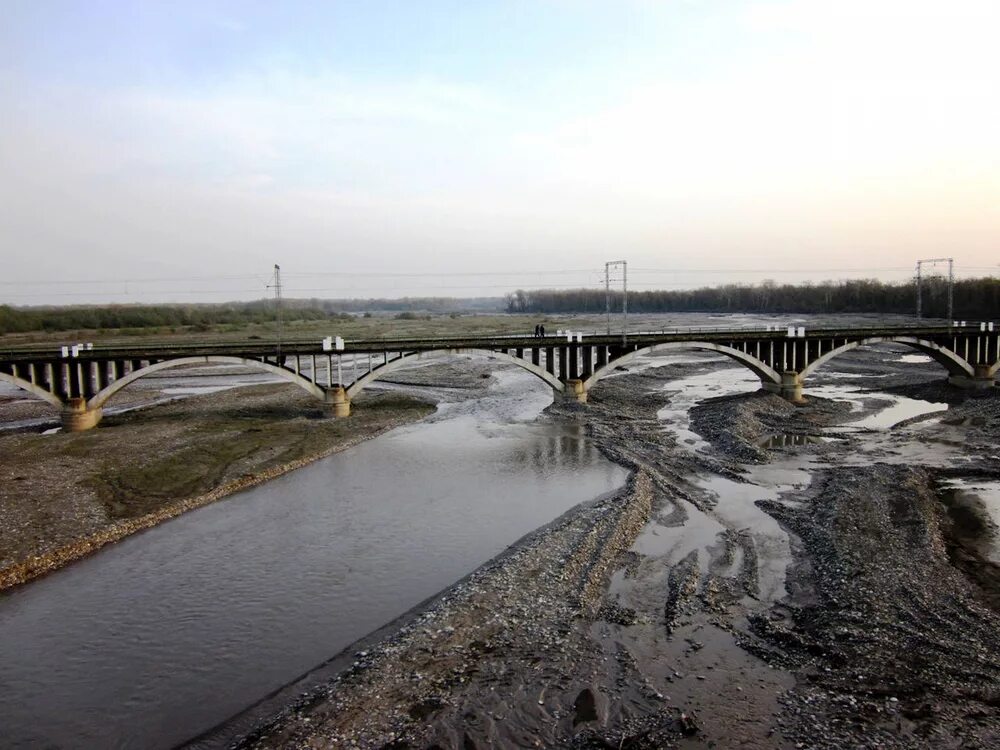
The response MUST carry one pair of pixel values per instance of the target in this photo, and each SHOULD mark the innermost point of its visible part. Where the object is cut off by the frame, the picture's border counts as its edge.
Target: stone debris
(880, 643)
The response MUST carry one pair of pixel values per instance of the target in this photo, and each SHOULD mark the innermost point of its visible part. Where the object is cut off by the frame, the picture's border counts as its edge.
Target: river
(164, 635)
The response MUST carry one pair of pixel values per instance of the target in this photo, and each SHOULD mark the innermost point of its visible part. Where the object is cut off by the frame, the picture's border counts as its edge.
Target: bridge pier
(336, 404)
(575, 391)
(76, 417)
(981, 379)
(790, 387)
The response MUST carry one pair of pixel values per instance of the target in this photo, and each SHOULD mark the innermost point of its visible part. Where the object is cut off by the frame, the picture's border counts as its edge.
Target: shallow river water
(168, 633)
(782, 478)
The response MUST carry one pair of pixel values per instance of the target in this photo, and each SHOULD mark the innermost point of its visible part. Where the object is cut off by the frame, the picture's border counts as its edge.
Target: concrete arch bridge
(81, 383)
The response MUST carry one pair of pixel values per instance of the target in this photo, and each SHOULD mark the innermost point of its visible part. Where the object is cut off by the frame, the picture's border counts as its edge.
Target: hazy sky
(198, 143)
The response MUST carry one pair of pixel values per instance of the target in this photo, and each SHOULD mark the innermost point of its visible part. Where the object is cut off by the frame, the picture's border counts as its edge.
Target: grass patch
(224, 445)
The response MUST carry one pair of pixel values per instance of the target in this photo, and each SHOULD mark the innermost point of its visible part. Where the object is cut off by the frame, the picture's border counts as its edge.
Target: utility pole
(277, 305)
(625, 302)
(607, 295)
(951, 284)
(951, 290)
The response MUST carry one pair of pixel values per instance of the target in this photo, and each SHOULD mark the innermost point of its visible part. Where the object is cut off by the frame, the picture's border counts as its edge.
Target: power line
(403, 274)
(128, 294)
(64, 282)
(463, 274)
(771, 270)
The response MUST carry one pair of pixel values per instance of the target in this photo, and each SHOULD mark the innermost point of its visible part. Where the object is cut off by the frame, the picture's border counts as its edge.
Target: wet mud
(773, 576)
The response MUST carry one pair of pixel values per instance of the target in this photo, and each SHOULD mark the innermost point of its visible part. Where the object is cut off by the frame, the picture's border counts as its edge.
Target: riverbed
(716, 543)
(168, 633)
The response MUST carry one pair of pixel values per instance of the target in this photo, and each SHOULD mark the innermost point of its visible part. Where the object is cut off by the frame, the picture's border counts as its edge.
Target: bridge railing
(264, 347)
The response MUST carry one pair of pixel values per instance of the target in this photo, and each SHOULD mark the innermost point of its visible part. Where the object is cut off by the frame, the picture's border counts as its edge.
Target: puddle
(897, 409)
(199, 390)
(964, 421)
(984, 493)
(834, 375)
(733, 503)
(790, 441)
(902, 410)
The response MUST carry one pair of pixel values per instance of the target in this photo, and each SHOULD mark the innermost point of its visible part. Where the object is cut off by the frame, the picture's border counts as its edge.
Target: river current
(158, 638)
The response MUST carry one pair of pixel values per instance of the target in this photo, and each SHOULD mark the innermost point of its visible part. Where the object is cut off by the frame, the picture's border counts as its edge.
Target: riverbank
(831, 614)
(65, 495)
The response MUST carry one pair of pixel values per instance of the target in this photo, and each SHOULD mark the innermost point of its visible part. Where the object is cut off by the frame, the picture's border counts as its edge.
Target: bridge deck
(253, 349)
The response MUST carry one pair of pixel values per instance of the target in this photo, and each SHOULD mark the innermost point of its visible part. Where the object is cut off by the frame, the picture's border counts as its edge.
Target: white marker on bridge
(579, 336)
(338, 344)
(74, 350)
(989, 325)
(569, 336)
(328, 343)
(802, 332)
(982, 326)
(90, 346)
(65, 352)
(791, 332)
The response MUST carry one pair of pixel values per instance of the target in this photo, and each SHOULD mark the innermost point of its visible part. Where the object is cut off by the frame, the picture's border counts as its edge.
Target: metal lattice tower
(607, 295)
(951, 284)
(277, 304)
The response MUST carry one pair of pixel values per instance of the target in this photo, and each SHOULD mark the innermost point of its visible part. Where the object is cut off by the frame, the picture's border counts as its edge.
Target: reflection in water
(733, 503)
(789, 441)
(897, 409)
(166, 634)
(983, 494)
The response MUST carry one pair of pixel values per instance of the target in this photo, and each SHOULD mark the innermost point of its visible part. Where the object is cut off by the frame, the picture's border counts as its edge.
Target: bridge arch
(953, 363)
(765, 372)
(101, 397)
(32, 388)
(394, 364)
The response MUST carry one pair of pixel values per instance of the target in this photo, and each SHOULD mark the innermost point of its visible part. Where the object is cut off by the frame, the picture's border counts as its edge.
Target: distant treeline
(413, 304)
(20, 320)
(973, 298)
(204, 316)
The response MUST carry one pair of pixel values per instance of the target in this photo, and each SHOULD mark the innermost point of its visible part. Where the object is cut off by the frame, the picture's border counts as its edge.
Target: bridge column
(76, 417)
(575, 391)
(336, 403)
(981, 379)
(790, 387)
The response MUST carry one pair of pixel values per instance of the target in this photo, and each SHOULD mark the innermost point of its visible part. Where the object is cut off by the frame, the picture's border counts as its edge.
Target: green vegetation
(230, 316)
(303, 319)
(141, 317)
(221, 444)
(410, 316)
(973, 298)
